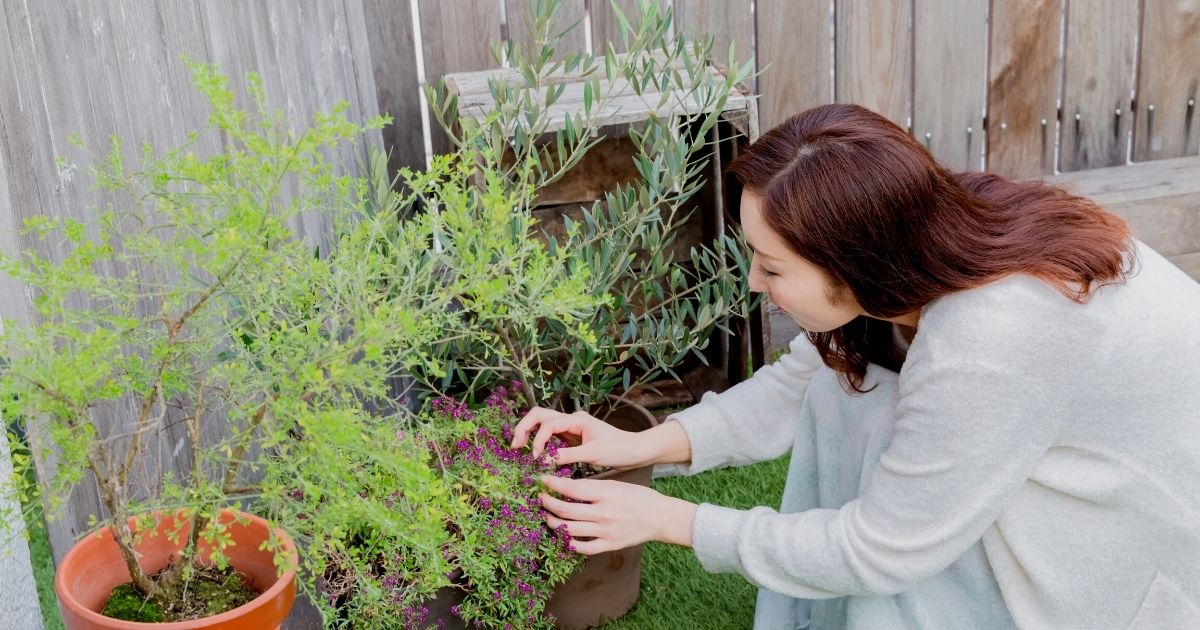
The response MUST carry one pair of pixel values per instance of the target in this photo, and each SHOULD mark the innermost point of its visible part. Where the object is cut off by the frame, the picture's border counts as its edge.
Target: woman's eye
(769, 274)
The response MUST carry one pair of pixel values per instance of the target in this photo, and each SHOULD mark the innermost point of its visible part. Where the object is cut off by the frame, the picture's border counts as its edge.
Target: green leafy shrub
(272, 355)
(604, 306)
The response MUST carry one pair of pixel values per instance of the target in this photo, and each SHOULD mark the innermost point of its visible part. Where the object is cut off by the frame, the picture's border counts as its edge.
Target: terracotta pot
(607, 584)
(93, 567)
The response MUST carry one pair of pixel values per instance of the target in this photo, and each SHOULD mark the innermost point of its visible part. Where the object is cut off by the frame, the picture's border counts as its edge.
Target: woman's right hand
(593, 441)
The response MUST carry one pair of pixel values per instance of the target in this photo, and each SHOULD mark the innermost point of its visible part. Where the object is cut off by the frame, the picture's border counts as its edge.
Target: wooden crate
(713, 210)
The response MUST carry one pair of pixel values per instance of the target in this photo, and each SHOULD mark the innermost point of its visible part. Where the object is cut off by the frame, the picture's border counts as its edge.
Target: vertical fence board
(66, 62)
(96, 69)
(301, 51)
(1098, 81)
(605, 26)
(949, 80)
(519, 20)
(1023, 87)
(1169, 74)
(795, 56)
(727, 22)
(443, 25)
(381, 31)
(874, 56)
(152, 101)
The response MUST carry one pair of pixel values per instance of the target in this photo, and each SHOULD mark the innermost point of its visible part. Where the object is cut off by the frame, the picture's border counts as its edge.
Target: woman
(994, 416)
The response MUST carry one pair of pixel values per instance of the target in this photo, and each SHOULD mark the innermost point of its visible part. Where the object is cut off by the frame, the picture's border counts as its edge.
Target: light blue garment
(839, 439)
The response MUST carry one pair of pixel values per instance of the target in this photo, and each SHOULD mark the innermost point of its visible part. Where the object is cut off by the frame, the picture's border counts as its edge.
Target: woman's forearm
(666, 443)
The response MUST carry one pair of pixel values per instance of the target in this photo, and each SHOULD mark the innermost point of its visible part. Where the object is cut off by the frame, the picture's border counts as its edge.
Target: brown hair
(852, 193)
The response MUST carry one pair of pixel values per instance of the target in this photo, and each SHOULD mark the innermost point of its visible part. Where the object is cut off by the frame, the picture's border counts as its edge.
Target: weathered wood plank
(96, 69)
(381, 31)
(949, 79)
(874, 57)
(519, 16)
(475, 99)
(606, 28)
(72, 65)
(795, 56)
(1136, 182)
(1023, 87)
(1098, 81)
(1160, 199)
(728, 22)
(302, 52)
(1168, 78)
(152, 99)
(446, 50)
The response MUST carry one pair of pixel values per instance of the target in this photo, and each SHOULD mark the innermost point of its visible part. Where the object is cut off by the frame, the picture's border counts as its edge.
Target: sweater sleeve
(970, 431)
(752, 421)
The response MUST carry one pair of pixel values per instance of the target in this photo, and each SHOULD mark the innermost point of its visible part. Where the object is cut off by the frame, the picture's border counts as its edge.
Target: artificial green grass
(676, 591)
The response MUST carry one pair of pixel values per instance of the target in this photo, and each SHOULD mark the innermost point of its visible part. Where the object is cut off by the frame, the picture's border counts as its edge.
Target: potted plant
(612, 310)
(638, 314)
(500, 562)
(194, 298)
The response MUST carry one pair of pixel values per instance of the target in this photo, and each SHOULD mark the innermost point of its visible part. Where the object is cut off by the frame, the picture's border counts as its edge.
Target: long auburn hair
(854, 194)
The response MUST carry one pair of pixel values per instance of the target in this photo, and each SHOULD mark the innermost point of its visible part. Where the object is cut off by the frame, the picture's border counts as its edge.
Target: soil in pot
(210, 592)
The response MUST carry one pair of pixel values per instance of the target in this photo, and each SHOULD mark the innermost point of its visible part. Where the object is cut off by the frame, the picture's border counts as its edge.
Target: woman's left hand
(615, 514)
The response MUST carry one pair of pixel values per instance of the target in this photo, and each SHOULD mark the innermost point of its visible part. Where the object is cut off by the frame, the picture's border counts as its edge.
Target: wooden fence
(1022, 87)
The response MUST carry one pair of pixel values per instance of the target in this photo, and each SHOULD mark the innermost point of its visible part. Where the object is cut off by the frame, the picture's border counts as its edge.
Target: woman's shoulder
(1027, 313)
(1006, 305)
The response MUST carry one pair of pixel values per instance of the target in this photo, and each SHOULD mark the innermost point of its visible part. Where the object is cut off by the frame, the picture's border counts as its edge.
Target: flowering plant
(496, 563)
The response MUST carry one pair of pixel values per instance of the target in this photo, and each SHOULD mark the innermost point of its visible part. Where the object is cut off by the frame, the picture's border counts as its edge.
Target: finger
(568, 511)
(575, 528)
(549, 429)
(580, 489)
(574, 455)
(533, 418)
(592, 547)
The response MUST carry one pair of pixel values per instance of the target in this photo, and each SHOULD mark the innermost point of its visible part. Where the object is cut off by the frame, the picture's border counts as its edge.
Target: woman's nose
(756, 284)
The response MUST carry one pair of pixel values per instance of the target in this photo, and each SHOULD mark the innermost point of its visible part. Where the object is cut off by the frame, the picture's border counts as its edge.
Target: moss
(210, 592)
(227, 594)
(127, 604)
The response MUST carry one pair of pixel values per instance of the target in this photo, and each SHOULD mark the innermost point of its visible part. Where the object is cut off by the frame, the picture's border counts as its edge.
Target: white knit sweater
(1066, 436)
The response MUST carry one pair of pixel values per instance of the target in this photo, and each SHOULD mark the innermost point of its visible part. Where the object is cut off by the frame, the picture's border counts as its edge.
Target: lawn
(676, 591)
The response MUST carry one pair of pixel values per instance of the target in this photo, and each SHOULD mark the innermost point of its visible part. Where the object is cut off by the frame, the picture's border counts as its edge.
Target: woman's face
(795, 285)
